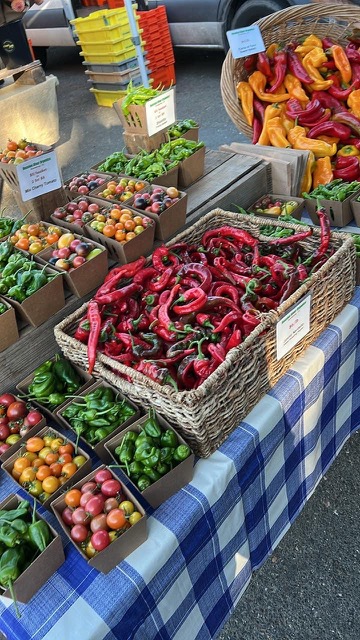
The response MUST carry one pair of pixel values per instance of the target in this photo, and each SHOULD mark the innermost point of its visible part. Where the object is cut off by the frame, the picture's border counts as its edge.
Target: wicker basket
(334, 20)
(207, 415)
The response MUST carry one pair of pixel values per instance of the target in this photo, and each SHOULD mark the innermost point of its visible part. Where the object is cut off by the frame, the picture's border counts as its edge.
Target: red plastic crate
(115, 4)
(164, 76)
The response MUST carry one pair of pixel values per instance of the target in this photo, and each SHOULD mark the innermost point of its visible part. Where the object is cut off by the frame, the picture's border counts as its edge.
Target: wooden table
(228, 179)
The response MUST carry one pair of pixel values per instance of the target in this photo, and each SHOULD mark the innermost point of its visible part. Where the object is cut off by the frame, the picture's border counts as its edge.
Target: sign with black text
(160, 112)
(38, 175)
(245, 41)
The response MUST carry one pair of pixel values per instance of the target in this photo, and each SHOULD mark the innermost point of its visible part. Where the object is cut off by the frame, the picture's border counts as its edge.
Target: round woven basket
(334, 20)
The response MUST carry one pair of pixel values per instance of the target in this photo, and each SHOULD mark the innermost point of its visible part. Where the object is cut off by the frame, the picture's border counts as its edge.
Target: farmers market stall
(204, 543)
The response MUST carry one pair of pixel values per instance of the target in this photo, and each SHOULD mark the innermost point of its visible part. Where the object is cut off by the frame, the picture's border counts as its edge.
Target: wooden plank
(211, 185)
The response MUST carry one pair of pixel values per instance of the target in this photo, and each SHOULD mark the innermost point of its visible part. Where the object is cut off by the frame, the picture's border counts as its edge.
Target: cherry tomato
(35, 444)
(79, 533)
(88, 486)
(72, 497)
(35, 488)
(79, 460)
(20, 464)
(16, 410)
(56, 443)
(79, 516)
(43, 452)
(110, 488)
(50, 484)
(28, 475)
(69, 469)
(85, 497)
(67, 516)
(66, 448)
(95, 505)
(98, 523)
(100, 540)
(115, 519)
(127, 507)
(135, 517)
(64, 458)
(7, 399)
(89, 550)
(43, 472)
(110, 503)
(51, 457)
(102, 475)
(56, 469)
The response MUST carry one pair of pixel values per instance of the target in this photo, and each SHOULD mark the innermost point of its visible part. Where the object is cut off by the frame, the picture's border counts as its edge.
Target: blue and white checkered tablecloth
(204, 542)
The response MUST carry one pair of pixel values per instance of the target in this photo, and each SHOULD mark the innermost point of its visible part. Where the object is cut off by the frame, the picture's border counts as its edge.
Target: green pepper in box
(154, 458)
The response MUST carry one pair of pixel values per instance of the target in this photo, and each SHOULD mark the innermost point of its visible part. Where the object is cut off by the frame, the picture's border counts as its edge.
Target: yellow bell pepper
(246, 97)
(323, 172)
(295, 88)
(298, 140)
(311, 62)
(306, 182)
(348, 150)
(258, 81)
(353, 102)
(277, 133)
(342, 63)
(302, 49)
(271, 111)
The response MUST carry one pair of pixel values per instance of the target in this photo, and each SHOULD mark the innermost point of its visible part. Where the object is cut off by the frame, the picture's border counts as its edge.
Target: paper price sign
(160, 112)
(38, 175)
(245, 41)
(293, 326)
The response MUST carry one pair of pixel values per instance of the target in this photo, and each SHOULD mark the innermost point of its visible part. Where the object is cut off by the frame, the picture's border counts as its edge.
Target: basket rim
(308, 14)
(189, 397)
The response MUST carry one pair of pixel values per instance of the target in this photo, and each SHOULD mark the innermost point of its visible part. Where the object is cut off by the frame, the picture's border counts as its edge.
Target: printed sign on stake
(160, 112)
(293, 326)
(245, 41)
(38, 175)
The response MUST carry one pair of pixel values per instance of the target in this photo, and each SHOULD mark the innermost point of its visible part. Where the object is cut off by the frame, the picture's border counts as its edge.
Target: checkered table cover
(206, 540)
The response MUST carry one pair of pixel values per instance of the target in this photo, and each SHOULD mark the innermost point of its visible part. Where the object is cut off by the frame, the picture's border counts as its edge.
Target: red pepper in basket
(240, 235)
(290, 286)
(161, 375)
(250, 63)
(163, 257)
(329, 102)
(290, 239)
(200, 271)
(280, 66)
(296, 68)
(227, 290)
(94, 317)
(257, 128)
(118, 294)
(195, 298)
(330, 128)
(82, 330)
(349, 119)
(233, 317)
(339, 93)
(144, 275)
(263, 64)
(348, 172)
(259, 109)
(325, 235)
(161, 281)
(234, 340)
(117, 274)
(352, 54)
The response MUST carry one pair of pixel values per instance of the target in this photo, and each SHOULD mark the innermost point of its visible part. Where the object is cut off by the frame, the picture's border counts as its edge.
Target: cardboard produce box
(169, 221)
(42, 568)
(296, 213)
(122, 546)
(135, 142)
(131, 250)
(9, 332)
(23, 387)
(168, 484)
(88, 276)
(355, 208)
(340, 213)
(33, 431)
(44, 303)
(136, 121)
(99, 448)
(80, 473)
(191, 169)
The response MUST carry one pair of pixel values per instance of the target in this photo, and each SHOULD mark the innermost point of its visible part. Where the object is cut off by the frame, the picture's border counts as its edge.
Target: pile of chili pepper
(306, 95)
(180, 127)
(22, 538)
(337, 190)
(53, 381)
(20, 276)
(148, 165)
(95, 415)
(148, 454)
(175, 319)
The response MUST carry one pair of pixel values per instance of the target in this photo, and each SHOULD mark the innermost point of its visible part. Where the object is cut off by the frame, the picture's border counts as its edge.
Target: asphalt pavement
(310, 587)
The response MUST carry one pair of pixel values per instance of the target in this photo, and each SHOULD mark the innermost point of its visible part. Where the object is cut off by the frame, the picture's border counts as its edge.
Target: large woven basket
(333, 20)
(207, 415)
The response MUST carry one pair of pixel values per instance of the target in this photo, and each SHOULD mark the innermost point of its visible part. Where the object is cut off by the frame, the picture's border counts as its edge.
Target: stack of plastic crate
(159, 50)
(109, 53)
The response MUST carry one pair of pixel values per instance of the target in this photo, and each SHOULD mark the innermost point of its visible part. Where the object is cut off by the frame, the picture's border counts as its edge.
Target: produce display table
(204, 543)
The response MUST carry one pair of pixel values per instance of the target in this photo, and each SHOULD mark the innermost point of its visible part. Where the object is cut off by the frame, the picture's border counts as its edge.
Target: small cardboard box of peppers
(103, 516)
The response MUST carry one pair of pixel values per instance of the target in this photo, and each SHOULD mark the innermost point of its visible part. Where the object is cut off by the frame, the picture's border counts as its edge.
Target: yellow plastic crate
(111, 56)
(107, 98)
(104, 18)
(111, 32)
(111, 46)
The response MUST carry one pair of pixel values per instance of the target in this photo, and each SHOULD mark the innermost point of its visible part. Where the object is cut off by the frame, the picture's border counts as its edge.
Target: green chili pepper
(130, 436)
(166, 454)
(45, 367)
(151, 425)
(162, 468)
(8, 535)
(6, 249)
(143, 437)
(39, 532)
(169, 439)
(151, 473)
(17, 294)
(143, 482)
(38, 280)
(18, 525)
(65, 372)
(149, 456)
(21, 510)
(181, 453)
(135, 470)
(10, 569)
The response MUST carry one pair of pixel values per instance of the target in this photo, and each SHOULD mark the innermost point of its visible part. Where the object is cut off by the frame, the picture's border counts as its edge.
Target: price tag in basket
(293, 326)
(160, 112)
(38, 175)
(245, 41)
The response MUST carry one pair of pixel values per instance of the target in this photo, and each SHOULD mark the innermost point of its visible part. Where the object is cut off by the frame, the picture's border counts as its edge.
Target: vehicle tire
(252, 10)
(40, 53)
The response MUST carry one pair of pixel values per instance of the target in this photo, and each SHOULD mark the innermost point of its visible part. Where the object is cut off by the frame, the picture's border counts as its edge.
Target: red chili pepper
(346, 161)
(117, 274)
(219, 302)
(118, 294)
(348, 118)
(161, 375)
(82, 330)
(280, 66)
(334, 129)
(200, 271)
(264, 303)
(339, 93)
(325, 234)
(250, 63)
(242, 236)
(289, 287)
(296, 68)
(163, 257)
(257, 128)
(250, 321)
(329, 102)
(197, 298)
(144, 275)
(163, 313)
(217, 352)
(231, 317)
(353, 55)
(123, 358)
(221, 275)
(259, 109)
(290, 239)
(263, 64)
(327, 43)
(224, 245)
(294, 110)
(329, 64)
(94, 317)
(349, 173)
(352, 141)
(161, 280)
(234, 340)
(302, 272)
(226, 290)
